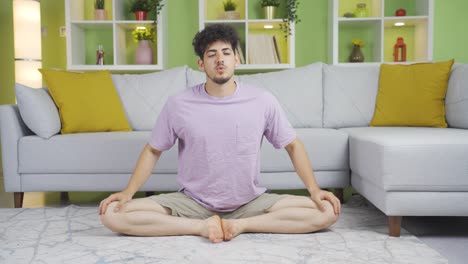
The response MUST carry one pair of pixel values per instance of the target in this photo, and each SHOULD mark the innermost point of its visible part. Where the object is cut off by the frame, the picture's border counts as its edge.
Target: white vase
(144, 53)
(230, 15)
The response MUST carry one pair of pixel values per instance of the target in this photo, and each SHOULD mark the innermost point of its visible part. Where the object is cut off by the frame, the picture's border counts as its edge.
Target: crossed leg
(292, 214)
(143, 217)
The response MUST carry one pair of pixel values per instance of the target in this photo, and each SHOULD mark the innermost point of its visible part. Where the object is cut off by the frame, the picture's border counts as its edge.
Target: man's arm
(303, 168)
(145, 164)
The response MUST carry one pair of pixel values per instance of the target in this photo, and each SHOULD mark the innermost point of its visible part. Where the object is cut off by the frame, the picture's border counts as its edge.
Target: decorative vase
(144, 53)
(230, 15)
(100, 14)
(356, 55)
(269, 12)
(361, 10)
(140, 15)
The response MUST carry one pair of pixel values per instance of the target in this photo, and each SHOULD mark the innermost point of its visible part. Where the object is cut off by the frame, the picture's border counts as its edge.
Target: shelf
(378, 30)
(274, 49)
(85, 34)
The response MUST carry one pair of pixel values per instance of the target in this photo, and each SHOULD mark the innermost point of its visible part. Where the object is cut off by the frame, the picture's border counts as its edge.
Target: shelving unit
(378, 30)
(84, 35)
(259, 54)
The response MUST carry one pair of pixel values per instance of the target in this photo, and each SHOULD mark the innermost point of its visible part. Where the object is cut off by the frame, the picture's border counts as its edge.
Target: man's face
(219, 62)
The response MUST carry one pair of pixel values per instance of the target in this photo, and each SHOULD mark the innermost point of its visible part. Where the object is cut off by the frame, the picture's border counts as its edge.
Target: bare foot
(212, 230)
(231, 228)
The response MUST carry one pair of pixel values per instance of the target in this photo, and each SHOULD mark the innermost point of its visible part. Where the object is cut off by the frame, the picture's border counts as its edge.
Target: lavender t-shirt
(219, 142)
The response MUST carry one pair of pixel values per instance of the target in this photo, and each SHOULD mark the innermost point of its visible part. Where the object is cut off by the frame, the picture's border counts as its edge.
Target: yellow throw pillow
(87, 102)
(412, 95)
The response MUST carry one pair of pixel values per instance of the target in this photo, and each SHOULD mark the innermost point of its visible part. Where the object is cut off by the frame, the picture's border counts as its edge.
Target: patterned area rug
(74, 234)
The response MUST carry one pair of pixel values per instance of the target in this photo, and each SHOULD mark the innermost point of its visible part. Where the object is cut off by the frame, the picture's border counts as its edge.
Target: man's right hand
(121, 197)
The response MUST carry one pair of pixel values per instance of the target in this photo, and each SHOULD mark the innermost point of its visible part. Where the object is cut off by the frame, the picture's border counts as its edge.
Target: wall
(7, 73)
(311, 35)
(450, 38)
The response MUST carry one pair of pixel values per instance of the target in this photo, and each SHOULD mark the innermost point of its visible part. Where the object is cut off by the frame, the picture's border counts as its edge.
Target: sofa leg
(339, 194)
(18, 197)
(149, 194)
(64, 199)
(394, 226)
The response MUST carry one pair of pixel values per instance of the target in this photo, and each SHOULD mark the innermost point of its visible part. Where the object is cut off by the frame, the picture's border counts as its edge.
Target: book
(261, 49)
(278, 56)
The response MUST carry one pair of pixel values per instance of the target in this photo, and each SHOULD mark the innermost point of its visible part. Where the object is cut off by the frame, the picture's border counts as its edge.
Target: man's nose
(220, 58)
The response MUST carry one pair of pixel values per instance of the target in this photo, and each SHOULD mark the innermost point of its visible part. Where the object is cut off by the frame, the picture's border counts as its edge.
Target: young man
(220, 125)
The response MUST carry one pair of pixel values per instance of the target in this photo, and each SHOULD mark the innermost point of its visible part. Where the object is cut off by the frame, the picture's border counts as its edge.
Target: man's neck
(220, 90)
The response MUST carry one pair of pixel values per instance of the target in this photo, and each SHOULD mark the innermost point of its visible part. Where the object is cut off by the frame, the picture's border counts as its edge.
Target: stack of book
(263, 49)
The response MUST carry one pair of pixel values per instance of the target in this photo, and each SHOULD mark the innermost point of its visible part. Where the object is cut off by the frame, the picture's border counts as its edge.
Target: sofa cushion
(304, 110)
(38, 110)
(327, 149)
(195, 77)
(349, 93)
(102, 152)
(410, 158)
(412, 95)
(117, 152)
(143, 95)
(456, 100)
(87, 102)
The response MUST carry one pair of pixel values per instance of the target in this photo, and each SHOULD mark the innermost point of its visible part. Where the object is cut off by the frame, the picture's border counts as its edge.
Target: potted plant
(269, 8)
(356, 54)
(99, 12)
(142, 7)
(291, 16)
(230, 10)
(144, 52)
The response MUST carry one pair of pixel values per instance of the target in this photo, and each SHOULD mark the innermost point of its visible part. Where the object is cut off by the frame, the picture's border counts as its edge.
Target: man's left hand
(321, 196)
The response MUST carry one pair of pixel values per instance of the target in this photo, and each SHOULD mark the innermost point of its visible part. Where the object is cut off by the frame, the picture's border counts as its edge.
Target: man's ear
(201, 66)
(237, 59)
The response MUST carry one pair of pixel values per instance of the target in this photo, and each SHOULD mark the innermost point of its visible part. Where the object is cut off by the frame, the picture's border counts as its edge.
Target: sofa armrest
(12, 128)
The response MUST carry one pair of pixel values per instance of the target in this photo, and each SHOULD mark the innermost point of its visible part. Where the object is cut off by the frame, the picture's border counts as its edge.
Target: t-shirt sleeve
(278, 131)
(163, 136)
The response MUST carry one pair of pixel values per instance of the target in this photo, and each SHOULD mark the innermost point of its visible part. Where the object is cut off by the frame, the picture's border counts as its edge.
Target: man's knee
(328, 216)
(112, 220)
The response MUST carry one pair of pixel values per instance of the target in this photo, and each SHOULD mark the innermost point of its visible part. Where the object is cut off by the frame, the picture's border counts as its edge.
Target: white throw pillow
(298, 90)
(456, 100)
(195, 77)
(144, 95)
(38, 110)
(349, 94)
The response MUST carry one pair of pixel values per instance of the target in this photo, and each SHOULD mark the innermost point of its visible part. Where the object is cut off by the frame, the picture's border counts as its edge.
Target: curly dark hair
(213, 33)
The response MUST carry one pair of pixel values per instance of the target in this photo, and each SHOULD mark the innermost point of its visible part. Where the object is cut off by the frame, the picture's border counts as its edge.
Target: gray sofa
(404, 171)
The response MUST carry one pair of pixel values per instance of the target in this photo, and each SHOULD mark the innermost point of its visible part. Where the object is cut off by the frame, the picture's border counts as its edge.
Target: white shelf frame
(291, 39)
(335, 20)
(75, 50)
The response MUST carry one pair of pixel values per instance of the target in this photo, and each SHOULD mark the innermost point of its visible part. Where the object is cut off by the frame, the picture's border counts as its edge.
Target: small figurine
(399, 50)
(400, 12)
(99, 56)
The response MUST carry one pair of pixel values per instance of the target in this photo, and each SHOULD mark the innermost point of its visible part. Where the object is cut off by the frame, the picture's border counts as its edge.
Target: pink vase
(144, 53)
(100, 14)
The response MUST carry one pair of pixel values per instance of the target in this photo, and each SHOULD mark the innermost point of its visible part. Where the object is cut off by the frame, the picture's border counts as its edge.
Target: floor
(447, 235)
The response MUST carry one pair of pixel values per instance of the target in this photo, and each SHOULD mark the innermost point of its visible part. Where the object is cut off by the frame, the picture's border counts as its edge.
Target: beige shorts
(183, 206)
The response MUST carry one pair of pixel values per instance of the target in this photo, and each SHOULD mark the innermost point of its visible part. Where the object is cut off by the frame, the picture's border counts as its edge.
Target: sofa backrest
(298, 90)
(349, 94)
(315, 95)
(144, 95)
